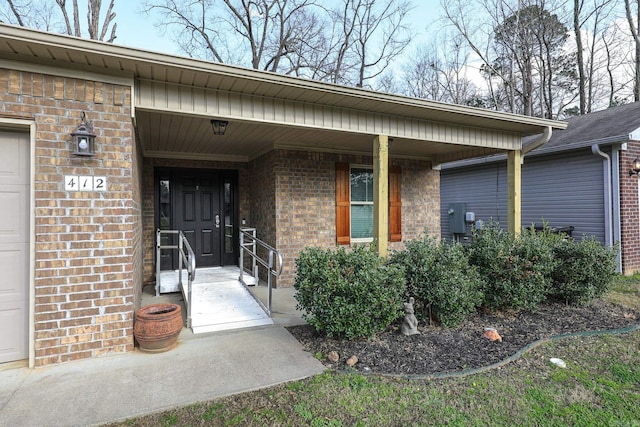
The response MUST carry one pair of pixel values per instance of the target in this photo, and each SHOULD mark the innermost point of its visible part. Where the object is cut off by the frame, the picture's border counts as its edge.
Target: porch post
(381, 193)
(514, 183)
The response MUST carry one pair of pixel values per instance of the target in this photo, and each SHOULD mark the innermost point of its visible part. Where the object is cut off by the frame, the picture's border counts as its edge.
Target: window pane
(361, 221)
(165, 222)
(228, 217)
(165, 204)
(361, 185)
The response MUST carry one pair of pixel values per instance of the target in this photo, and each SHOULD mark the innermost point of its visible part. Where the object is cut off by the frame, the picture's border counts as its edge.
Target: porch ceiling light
(83, 138)
(635, 168)
(219, 126)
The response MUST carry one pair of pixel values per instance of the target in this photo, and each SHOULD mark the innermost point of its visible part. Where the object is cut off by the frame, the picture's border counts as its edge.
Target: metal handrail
(188, 258)
(250, 243)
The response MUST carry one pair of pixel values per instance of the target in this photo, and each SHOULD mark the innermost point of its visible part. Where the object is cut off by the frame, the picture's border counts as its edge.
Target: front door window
(228, 217)
(165, 223)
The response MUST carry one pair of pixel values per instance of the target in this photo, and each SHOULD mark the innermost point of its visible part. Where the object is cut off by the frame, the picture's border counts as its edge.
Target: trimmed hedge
(353, 294)
(516, 270)
(585, 270)
(445, 286)
(348, 294)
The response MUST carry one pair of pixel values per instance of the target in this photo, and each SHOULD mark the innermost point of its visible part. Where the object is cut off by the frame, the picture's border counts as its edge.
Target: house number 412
(85, 183)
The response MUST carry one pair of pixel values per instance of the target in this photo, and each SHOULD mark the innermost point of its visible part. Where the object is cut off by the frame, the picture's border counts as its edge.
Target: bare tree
(525, 54)
(634, 26)
(368, 35)
(16, 12)
(440, 72)
(577, 29)
(589, 24)
(352, 43)
(381, 36)
(93, 18)
(262, 34)
(26, 13)
(41, 14)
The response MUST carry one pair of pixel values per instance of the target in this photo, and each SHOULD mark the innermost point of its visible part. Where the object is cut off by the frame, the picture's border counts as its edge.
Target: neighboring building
(579, 179)
(305, 163)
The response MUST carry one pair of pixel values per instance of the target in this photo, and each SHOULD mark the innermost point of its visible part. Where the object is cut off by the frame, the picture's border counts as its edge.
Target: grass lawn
(599, 387)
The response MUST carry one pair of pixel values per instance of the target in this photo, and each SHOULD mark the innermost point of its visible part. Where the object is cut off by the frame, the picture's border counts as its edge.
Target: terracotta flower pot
(157, 327)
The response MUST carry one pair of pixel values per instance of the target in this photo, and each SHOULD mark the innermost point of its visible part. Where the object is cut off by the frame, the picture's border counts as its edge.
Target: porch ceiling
(168, 135)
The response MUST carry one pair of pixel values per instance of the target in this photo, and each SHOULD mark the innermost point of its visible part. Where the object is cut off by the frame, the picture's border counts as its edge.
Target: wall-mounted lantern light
(219, 126)
(83, 138)
(635, 167)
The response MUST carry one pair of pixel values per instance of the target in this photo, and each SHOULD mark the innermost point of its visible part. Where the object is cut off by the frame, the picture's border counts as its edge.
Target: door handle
(217, 221)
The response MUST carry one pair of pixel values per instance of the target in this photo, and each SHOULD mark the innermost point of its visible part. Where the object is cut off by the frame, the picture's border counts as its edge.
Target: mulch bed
(439, 350)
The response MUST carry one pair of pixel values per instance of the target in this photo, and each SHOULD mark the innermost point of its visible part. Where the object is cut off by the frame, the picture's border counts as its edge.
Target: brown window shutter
(395, 204)
(343, 204)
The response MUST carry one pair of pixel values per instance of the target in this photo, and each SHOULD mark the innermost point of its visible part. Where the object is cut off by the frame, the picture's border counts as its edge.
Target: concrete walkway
(202, 367)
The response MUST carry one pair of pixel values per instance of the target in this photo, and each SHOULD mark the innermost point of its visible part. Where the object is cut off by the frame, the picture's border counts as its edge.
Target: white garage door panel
(13, 228)
(14, 246)
(14, 162)
(14, 321)
(14, 272)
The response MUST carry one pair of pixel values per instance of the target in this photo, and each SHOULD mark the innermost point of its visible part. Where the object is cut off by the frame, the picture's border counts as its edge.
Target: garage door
(14, 246)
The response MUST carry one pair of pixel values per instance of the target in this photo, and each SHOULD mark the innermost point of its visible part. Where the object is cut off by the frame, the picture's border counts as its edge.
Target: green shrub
(440, 278)
(585, 270)
(348, 294)
(516, 270)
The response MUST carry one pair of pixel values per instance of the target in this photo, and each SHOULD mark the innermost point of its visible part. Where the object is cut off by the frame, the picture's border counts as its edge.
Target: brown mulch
(439, 350)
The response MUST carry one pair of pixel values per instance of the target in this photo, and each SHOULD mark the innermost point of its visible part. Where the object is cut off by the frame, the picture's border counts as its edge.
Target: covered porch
(289, 148)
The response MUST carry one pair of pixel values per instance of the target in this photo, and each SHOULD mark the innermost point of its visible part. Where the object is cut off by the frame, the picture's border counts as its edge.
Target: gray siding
(563, 190)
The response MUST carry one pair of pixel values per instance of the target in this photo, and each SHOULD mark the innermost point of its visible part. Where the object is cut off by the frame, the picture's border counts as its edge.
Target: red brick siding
(85, 241)
(138, 238)
(300, 210)
(629, 208)
(420, 201)
(262, 196)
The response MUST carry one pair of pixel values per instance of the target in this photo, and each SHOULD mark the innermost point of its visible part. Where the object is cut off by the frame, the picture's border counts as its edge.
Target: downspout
(617, 227)
(608, 199)
(543, 139)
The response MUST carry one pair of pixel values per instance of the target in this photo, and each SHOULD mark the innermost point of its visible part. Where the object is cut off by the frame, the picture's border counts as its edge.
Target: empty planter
(157, 327)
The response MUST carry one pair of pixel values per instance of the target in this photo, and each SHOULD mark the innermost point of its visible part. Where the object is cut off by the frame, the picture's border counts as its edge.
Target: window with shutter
(354, 204)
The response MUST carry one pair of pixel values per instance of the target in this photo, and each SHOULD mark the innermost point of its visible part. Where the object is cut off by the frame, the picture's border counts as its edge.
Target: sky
(137, 30)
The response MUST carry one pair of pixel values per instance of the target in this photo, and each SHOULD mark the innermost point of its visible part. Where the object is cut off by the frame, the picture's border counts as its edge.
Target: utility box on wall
(457, 223)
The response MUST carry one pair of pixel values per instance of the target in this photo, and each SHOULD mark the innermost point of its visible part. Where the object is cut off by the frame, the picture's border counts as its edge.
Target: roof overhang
(613, 141)
(176, 97)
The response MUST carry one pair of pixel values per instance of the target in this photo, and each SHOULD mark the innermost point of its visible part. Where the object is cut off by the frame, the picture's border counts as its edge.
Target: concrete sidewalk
(200, 368)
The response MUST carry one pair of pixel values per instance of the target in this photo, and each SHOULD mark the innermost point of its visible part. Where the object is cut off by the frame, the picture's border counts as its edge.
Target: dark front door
(198, 215)
(201, 204)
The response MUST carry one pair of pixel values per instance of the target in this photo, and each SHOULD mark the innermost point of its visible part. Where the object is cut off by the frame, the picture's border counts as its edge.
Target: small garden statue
(410, 324)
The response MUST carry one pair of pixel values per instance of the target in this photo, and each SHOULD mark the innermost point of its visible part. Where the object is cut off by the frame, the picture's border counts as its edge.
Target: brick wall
(629, 210)
(299, 211)
(305, 205)
(85, 241)
(262, 197)
(420, 201)
(138, 229)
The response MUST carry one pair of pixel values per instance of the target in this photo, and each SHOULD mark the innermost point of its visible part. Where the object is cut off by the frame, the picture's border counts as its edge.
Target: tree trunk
(580, 56)
(633, 26)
